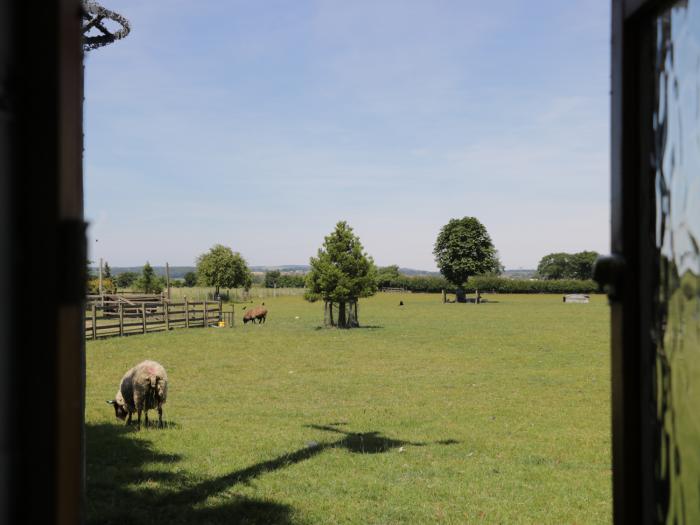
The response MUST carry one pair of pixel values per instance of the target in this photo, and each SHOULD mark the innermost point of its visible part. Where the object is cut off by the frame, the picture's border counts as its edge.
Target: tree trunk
(328, 314)
(347, 314)
(352, 321)
(342, 320)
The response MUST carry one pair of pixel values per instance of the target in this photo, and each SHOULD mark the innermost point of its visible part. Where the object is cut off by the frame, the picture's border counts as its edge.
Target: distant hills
(178, 272)
(520, 274)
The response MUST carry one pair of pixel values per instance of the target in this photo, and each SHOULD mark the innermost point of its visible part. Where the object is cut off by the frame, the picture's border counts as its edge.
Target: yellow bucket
(222, 324)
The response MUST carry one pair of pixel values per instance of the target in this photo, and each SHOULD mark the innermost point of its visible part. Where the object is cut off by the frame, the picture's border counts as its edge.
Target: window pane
(676, 132)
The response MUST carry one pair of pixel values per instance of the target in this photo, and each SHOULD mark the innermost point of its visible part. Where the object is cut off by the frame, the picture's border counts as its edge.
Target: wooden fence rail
(116, 318)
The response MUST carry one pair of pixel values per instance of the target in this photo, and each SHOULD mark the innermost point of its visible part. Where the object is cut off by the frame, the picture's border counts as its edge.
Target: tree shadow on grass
(124, 489)
(361, 327)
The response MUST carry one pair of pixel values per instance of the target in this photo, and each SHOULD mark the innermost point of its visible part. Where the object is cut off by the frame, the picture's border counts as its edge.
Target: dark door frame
(42, 263)
(630, 272)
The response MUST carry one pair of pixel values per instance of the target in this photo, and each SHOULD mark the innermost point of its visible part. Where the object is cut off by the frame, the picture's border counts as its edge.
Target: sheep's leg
(145, 416)
(128, 419)
(138, 425)
(160, 416)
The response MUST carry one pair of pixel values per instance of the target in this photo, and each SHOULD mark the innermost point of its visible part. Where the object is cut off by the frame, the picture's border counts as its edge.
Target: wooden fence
(117, 318)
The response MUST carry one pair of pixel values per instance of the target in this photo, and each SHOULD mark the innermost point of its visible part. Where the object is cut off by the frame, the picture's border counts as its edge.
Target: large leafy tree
(386, 275)
(562, 265)
(340, 274)
(190, 279)
(464, 248)
(582, 264)
(272, 278)
(221, 267)
(554, 266)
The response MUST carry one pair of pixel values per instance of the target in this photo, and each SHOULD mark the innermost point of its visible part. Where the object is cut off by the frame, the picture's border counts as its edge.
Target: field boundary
(120, 318)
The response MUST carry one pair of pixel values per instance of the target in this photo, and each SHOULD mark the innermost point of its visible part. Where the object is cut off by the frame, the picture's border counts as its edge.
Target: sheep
(258, 313)
(142, 388)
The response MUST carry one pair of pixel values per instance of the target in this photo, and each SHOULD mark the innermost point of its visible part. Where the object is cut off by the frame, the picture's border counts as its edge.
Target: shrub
(291, 281)
(483, 283)
(108, 286)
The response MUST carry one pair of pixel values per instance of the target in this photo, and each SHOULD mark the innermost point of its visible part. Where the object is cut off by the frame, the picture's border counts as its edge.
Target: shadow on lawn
(361, 327)
(122, 490)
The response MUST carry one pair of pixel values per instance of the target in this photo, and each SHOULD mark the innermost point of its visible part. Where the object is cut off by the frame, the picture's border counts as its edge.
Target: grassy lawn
(453, 413)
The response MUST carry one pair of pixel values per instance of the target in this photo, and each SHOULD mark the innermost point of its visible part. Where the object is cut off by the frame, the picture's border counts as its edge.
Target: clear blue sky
(260, 124)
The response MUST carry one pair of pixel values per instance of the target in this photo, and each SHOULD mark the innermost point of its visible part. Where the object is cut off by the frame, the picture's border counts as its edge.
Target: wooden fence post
(187, 313)
(221, 310)
(143, 316)
(167, 279)
(206, 314)
(121, 319)
(94, 321)
(444, 296)
(166, 315)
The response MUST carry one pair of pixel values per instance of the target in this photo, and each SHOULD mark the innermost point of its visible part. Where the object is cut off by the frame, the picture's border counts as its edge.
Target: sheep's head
(120, 411)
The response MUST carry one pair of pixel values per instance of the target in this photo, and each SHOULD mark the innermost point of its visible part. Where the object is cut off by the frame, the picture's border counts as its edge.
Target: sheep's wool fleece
(138, 382)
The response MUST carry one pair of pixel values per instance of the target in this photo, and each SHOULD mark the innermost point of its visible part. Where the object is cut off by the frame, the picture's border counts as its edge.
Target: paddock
(428, 413)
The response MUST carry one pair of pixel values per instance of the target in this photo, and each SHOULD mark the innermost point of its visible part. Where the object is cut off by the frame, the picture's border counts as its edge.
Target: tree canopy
(126, 279)
(221, 267)
(464, 248)
(563, 265)
(387, 274)
(272, 278)
(341, 273)
(148, 281)
(106, 271)
(190, 279)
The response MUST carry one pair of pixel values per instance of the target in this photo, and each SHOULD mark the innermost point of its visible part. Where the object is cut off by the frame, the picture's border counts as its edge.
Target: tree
(272, 278)
(190, 279)
(464, 248)
(291, 281)
(106, 271)
(387, 275)
(148, 281)
(582, 265)
(554, 266)
(221, 267)
(562, 265)
(126, 279)
(340, 275)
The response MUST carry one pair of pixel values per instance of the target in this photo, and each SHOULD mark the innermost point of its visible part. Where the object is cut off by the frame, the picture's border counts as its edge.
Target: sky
(260, 124)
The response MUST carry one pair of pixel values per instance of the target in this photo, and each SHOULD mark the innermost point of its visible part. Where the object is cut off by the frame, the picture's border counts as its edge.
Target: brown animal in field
(258, 313)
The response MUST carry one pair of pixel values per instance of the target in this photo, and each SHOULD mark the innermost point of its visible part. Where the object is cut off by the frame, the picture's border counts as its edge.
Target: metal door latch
(608, 272)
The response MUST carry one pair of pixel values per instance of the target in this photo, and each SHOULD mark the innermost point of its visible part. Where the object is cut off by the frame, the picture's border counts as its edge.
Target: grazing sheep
(258, 313)
(143, 387)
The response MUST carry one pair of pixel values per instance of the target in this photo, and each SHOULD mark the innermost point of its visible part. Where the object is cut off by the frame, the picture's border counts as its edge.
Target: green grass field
(430, 413)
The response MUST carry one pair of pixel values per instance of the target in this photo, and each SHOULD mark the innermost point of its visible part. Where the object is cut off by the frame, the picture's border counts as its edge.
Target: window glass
(676, 132)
